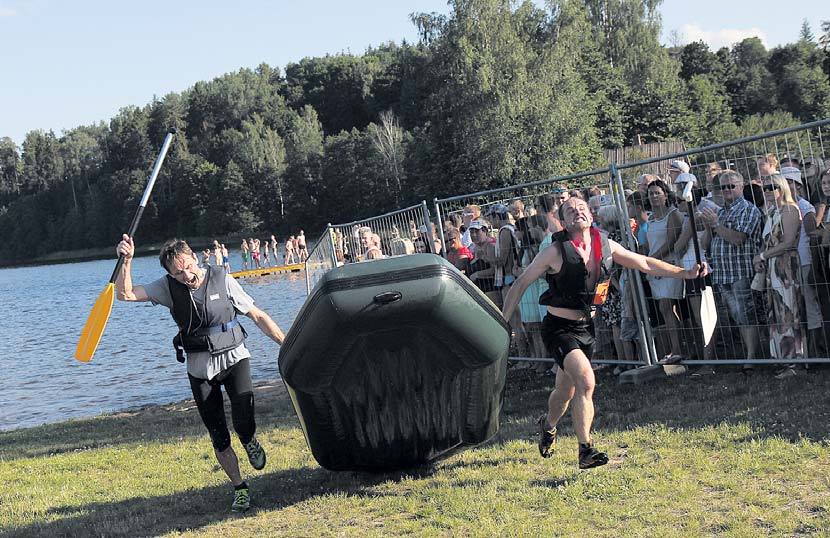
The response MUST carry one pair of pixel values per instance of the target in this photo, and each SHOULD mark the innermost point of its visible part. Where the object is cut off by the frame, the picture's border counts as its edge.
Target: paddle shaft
(695, 241)
(137, 217)
(708, 310)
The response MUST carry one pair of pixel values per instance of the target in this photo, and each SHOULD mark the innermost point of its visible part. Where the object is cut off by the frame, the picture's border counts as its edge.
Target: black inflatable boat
(394, 363)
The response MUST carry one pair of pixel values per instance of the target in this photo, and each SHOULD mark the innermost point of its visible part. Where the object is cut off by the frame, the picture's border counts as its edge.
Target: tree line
(495, 93)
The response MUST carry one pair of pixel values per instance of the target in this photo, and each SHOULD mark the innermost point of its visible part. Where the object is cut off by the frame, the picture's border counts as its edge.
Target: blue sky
(68, 63)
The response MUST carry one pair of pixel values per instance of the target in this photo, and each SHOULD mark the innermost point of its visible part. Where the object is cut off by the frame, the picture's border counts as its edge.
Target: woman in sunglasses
(779, 262)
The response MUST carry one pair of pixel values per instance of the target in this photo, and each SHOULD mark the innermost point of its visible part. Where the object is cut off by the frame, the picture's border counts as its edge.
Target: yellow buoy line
(268, 270)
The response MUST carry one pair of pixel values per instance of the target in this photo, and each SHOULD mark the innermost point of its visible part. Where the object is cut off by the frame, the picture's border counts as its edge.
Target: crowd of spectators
(765, 237)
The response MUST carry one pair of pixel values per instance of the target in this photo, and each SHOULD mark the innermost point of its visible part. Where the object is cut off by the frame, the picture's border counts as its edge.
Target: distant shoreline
(103, 253)
(73, 256)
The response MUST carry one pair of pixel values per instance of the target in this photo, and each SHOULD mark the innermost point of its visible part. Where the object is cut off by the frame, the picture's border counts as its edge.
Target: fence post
(648, 351)
(307, 277)
(428, 226)
(330, 233)
(440, 226)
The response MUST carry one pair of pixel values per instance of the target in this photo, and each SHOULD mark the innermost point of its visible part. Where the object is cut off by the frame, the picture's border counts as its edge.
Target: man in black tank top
(575, 268)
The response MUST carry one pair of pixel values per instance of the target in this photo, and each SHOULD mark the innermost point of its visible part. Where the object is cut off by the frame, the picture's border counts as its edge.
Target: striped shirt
(731, 263)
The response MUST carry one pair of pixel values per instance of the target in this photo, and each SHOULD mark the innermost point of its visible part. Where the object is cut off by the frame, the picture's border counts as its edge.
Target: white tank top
(657, 234)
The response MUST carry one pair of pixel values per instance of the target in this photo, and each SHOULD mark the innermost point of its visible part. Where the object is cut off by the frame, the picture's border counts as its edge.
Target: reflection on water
(46, 308)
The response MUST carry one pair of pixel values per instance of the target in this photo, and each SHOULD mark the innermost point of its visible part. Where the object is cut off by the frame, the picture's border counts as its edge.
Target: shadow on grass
(479, 464)
(151, 423)
(792, 409)
(193, 509)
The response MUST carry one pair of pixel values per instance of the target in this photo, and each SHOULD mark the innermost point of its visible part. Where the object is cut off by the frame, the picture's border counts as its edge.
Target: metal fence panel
(769, 336)
(610, 192)
(398, 233)
(321, 259)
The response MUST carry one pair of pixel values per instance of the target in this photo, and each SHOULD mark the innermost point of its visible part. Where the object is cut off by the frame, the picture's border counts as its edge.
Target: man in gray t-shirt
(202, 364)
(209, 299)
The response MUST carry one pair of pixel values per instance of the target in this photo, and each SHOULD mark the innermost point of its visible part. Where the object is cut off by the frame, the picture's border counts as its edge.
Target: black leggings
(211, 404)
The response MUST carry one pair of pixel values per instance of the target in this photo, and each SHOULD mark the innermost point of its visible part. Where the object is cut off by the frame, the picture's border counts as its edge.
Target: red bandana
(596, 245)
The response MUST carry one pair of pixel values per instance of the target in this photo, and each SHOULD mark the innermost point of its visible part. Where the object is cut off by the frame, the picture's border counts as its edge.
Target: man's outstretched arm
(651, 266)
(266, 324)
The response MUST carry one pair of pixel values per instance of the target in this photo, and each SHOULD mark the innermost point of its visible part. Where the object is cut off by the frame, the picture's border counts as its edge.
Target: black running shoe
(241, 499)
(547, 438)
(590, 457)
(256, 454)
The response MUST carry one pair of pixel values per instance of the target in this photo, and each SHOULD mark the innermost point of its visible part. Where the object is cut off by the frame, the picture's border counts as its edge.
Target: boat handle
(388, 297)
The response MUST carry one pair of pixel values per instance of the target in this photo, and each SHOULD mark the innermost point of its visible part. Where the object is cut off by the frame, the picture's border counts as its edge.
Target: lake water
(46, 308)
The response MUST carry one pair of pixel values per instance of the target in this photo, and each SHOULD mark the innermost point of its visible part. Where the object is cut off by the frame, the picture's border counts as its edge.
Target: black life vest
(568, 287)
(209, 324)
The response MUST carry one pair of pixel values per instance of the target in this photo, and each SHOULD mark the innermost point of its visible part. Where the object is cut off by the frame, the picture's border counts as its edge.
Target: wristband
(762, 257)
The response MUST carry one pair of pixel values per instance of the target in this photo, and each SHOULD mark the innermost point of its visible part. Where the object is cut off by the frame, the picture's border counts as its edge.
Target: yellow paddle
(100, 314)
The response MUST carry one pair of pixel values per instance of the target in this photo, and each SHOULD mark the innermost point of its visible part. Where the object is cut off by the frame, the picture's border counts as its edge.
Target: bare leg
(230, 464)
(560, 397)
(619, 345)
(750, 336)
(672, 323)
(579, 370)
(630, 350)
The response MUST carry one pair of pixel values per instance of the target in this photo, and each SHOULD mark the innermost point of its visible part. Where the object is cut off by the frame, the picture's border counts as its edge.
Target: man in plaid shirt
(732, 237)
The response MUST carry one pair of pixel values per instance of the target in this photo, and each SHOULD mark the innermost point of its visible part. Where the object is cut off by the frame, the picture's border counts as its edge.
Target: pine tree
(806, 34)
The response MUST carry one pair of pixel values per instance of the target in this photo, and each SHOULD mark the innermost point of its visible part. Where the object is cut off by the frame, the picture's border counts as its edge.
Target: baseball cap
(496, 209)
(792, 173)
(679, 166)
(478, 225)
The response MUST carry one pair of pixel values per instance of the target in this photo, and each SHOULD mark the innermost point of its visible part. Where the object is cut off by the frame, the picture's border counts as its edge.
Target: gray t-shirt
(201, 364)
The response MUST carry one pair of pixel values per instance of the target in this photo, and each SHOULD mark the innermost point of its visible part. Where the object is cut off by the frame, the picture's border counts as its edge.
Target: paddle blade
(708, 314)
(95, 325)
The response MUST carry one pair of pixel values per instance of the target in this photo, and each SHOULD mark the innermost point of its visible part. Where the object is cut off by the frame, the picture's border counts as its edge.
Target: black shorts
(561, 336)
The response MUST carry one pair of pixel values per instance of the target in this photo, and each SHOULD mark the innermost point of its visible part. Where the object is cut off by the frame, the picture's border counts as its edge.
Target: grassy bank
(718, 456)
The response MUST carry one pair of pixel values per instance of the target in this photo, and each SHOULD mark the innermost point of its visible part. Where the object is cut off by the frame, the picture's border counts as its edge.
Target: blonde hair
(475, 210)
(400, 246)
(781, 182)
(769, 158)
(517, 202)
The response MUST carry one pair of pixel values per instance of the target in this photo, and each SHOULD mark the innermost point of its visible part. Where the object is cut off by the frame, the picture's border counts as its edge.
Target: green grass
(718, 456)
